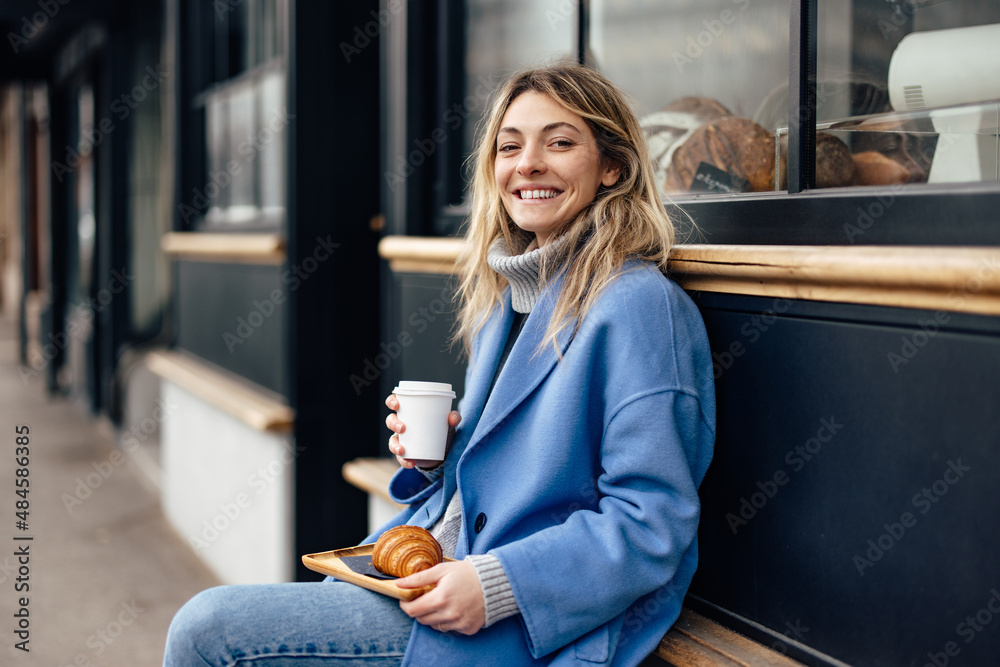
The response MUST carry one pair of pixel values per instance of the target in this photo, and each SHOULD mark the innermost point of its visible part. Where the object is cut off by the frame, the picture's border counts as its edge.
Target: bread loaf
(735, 145)
(703, 107)
(406, 550)
(873, 168)
(834, 165)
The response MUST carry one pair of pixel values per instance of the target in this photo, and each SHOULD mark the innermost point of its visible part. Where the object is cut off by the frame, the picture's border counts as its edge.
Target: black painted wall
(851, 503)
(233, 315)
(421, 317)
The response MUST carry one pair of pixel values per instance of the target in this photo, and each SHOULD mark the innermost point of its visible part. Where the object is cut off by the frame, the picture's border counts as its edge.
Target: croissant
(405, 550)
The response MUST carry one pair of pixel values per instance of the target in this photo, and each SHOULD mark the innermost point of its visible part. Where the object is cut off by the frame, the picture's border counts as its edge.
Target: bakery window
(907, 91)
(503, 37)
(704, 76)
(906, 99)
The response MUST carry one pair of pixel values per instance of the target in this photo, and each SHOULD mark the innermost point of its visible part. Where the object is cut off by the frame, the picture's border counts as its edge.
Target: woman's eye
(562, 143)
(506, 148)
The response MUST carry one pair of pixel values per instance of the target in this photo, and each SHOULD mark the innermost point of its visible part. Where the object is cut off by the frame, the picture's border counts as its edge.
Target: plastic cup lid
(424, 388)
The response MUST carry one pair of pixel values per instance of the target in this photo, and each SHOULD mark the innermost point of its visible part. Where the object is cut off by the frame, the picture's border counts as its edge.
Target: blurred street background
(107, 572)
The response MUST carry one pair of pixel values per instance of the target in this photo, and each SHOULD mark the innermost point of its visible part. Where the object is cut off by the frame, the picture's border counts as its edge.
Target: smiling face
(548, 166)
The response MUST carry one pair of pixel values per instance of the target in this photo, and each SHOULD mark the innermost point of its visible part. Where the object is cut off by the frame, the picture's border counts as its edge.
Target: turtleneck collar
(522, 269)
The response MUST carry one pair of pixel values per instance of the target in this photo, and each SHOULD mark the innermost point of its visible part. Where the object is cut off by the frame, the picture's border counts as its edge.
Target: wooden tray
(329, 563)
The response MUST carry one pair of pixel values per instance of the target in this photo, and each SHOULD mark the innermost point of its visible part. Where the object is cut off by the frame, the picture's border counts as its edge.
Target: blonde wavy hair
(624, 221)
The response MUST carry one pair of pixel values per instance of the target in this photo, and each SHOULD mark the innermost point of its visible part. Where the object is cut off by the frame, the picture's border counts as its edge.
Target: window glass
(245, 118)
(268, 31)
(242, 201)
(506, 36)
(84, 197)
(216, 150)
(148, 197)
(238, 37)
(907, 92)
(272, 127)
(710, 80)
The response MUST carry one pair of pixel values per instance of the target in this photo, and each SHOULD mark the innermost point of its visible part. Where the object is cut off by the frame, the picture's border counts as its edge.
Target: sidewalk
(107, 575)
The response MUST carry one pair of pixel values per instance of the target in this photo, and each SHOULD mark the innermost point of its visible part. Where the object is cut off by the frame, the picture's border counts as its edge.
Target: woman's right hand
(393, 423)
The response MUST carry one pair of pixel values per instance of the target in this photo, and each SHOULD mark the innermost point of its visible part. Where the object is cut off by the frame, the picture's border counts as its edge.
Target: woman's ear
(611, 175)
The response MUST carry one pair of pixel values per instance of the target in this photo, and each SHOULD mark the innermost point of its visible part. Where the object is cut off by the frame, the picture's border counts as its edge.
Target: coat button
(480, 522)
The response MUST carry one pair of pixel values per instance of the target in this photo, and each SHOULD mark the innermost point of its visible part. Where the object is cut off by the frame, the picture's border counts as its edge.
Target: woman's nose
(531, 161)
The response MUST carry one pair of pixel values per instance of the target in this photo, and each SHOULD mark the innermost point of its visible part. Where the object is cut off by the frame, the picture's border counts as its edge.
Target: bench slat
(682, 651)
(696, 641)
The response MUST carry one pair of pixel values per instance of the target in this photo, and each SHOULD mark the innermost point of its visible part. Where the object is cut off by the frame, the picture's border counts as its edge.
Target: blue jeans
(288, 625)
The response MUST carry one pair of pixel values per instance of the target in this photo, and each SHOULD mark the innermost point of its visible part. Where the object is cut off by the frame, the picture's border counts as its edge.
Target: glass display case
(903, 94)
(907, 92)
(700, 72)
(910, 91)
(903, 87)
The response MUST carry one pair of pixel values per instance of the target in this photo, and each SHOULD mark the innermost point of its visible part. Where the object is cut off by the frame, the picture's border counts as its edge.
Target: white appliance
(941, 70)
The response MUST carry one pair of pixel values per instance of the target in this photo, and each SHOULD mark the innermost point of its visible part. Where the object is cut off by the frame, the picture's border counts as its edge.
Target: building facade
(229, 227)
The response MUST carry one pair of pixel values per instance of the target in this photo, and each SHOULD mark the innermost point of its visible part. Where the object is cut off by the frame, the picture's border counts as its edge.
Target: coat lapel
(486, 358)
(526, 367)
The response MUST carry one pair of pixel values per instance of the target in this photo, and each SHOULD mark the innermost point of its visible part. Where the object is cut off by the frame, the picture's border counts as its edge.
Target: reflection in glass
(506, 36)
(243, 145)
(245, 119)
(704, 75)
(84, 199)
(216, 122)
(272, 128)
(269, 36)
(908, 89)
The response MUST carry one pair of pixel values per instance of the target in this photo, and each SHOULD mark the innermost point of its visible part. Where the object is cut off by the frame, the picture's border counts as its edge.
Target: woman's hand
(456, 603)
(397, 427)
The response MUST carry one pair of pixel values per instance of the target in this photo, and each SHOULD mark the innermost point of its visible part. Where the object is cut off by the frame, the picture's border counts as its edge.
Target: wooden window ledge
(954, 279)
(242, 399)
(229, 247)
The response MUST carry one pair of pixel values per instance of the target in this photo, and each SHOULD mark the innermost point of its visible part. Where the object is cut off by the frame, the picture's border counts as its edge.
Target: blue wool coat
(580, 475)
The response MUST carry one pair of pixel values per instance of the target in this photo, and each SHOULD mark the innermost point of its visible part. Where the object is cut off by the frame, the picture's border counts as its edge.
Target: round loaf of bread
(735, 145)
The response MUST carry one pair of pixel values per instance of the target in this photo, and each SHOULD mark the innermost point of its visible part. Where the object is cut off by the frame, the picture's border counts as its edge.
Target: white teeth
(538, 194)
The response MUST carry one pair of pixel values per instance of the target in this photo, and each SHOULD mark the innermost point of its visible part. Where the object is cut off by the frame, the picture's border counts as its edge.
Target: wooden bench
(693, 641)
(696, 641)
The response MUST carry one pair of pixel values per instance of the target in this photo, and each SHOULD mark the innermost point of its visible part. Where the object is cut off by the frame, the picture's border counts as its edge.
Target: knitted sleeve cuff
(497, 594)
(432, 474)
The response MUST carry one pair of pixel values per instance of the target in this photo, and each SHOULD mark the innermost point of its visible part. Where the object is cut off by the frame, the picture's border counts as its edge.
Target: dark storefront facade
(848, 278)
(245, 214)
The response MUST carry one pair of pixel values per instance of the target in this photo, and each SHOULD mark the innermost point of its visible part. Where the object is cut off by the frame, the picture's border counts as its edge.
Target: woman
(569, 492)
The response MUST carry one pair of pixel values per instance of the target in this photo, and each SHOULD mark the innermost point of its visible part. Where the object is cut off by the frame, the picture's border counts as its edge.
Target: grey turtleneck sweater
(522, 273)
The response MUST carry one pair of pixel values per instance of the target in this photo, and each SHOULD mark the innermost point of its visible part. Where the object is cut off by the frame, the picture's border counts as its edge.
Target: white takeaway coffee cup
(424, 408)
